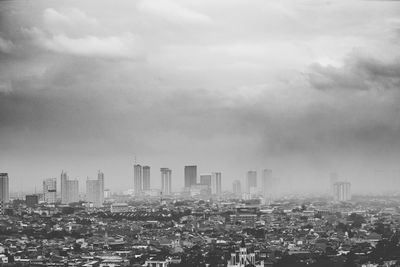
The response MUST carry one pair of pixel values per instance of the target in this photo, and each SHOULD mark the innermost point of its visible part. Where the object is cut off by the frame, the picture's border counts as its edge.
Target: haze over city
(303, 88)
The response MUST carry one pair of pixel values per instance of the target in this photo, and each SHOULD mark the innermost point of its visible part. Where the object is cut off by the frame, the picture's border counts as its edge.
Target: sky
(303, 88)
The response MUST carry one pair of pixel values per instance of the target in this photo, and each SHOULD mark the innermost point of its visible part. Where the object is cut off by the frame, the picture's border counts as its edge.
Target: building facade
(190, 176)
(95, 190)
(342, 191)
(251, 182)
(146, 178)
(237, 188)
(50, 190)
(69, 189)
(216, 183)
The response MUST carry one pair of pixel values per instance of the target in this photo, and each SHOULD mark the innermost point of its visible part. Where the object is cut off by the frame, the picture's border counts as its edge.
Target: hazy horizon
(303, 88)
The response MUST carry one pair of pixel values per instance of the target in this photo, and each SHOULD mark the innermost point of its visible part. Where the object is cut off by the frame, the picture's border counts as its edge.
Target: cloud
(6, 46)
(117, 47)
(172, 12)
(72, 19)
(359, 72)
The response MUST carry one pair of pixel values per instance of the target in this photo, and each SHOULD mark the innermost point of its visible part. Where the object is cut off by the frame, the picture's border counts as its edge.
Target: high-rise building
(4, 188)
(251, 182)
(72, 191)
(146, 178)
(137, 179)
(64, 187)
(69, 189)
(50, 190)
(205, 179)
(95, 190)
(342, 191)
(266, 183)
(165, 181)
(216, 183)
(190, 176)
(333, 178)
(237, 188)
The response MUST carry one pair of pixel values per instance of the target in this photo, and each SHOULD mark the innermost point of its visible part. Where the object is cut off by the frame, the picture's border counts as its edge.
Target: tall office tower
(69, 189)
(165, 181)
(64, 187)
(237, 188)
(251, 182)
(95, 190)
(4, 188)
(50, 190)
(205, 179)
(342, 191)
(146, 178)
(333, 178)
(216, 183)
(190, 176)
(72, 191)
(266, 183)
(137, 179)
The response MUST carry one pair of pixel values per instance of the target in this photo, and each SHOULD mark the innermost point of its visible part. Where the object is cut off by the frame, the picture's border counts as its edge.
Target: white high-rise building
(165, 181)
(50, 190)
(216, 183)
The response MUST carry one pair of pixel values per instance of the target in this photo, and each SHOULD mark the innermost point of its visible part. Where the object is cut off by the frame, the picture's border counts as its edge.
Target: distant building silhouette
(95, 190)
(146, 178)
(342, 191)
(237, 188)
(267, 183)
(165, 181)
(333, 178)
(69, 189)
(50, 190)
(190, 176)
(251, 182)
(4, 188)
(205, 179)
(216, 183)
(137, 179)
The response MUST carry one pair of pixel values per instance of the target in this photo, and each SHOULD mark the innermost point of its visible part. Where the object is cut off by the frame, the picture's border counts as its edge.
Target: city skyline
(303, 88)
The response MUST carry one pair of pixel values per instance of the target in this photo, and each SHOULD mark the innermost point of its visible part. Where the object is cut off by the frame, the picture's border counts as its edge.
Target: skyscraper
(205, 179)
(95, 190)
(4, 188)
(251, 182)
(146, 178)
(190, 176)
(342, 191)
(237, 188)
(64, 187)
(50, 190)
(333, 178)
(267, 183)
(72, 191)
(165, 181)
(69, 189)
(137, 179)
(216, 183)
